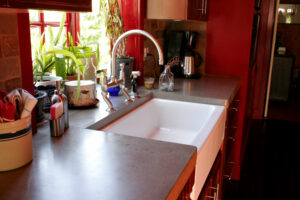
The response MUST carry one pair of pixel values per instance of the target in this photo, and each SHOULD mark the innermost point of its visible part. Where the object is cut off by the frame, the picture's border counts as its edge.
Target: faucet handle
(122, 65)
(122, 73)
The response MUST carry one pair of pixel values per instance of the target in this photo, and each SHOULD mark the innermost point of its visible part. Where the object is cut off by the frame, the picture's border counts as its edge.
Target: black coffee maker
(180, 44)
(173, 50)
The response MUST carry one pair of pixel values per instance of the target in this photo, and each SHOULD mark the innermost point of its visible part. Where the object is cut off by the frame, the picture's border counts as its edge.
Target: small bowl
(148, 82)
(114, 91)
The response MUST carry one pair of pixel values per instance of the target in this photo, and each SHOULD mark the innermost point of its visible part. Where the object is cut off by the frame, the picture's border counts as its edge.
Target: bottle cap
(135, 74)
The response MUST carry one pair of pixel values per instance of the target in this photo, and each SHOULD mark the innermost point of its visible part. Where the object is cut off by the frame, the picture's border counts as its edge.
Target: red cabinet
(197, 9)
(177, 9)
(2, 3)
(231, 131)
(290, 1)
(212, 186)
(64, 5)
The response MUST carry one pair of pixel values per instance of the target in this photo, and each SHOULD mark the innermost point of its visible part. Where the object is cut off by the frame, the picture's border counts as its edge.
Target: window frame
(72, 24)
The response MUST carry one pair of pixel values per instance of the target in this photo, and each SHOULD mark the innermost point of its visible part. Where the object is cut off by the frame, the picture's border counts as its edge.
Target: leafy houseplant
(44, 63)
(61, 58)
(66, 65)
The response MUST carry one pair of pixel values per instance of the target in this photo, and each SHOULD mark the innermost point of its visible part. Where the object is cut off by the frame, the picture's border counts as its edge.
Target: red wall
(133, 14)
(228, 42)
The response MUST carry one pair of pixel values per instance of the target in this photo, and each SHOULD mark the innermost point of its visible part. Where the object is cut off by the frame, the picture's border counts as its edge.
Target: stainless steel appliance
(191, 59)
(189, 67)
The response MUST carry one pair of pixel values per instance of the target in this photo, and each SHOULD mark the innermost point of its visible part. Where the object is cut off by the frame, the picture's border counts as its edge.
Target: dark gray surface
(88, 164)
(208, 89)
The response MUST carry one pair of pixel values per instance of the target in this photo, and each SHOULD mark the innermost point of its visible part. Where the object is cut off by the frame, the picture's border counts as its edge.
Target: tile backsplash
(161, 28)
(10, 67)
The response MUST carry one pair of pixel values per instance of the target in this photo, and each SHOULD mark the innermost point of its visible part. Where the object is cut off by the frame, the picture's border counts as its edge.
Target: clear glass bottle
(90, 70)
(166, 80)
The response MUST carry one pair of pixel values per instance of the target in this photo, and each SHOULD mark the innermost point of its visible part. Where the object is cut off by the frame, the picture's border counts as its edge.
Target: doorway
(283, 96)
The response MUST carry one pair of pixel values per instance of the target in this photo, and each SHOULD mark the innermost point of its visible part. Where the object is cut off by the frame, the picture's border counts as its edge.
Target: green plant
(80, 52)
(65, 65)
(114, 24)
(44, 63)
(61, 70)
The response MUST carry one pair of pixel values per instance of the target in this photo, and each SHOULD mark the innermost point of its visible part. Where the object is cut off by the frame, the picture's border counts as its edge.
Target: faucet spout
(115, 81)
(135, 32)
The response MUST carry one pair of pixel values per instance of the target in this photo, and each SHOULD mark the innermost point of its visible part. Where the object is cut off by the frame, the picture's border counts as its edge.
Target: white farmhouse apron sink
(200, 125)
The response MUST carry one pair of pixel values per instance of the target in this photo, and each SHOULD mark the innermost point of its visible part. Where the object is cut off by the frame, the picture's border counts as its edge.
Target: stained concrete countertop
(88, 164)
(93, 165)
(209, 89)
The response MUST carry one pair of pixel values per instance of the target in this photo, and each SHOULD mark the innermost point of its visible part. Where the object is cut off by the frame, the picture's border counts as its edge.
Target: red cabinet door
(2, 3)
(197, 9)
(64, 5)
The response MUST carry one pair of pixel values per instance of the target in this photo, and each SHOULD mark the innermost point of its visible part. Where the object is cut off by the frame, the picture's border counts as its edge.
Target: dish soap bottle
(60, 96)
(134, 83)
(166, 80)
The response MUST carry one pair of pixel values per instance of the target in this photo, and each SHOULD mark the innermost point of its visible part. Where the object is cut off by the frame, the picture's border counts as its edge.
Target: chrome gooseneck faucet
(121, 81)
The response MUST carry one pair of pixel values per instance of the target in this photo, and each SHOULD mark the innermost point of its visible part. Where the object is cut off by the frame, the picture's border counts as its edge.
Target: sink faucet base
(121, 81)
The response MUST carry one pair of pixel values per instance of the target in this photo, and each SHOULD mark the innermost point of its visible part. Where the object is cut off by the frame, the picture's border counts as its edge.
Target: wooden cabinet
(230, 138)
(212, 187)
(289, 1)
(64, 5)
(2, 3)
(223, 166)
(177, 9)
(197, 9)
(188, 188)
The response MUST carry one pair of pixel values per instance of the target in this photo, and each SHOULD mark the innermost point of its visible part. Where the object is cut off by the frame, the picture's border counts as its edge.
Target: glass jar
(166, 80)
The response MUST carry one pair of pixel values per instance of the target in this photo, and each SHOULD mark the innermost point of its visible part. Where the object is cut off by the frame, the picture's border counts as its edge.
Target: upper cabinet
(2, 3)
(177, 9)
(197, 9)
(63, 5)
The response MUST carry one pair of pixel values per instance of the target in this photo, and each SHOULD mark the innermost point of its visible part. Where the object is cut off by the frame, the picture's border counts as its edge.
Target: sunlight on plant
(92, 30)
(93, 33)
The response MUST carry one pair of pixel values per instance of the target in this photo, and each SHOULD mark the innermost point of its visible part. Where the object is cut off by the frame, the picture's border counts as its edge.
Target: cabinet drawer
(211, 188)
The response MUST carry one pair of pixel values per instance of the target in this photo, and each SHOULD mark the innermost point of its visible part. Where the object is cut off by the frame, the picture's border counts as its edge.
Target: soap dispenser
(134, 83)
(64, 99)
(59, 121)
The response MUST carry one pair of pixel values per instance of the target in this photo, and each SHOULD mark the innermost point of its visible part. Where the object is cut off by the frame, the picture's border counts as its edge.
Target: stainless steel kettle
(189, 66)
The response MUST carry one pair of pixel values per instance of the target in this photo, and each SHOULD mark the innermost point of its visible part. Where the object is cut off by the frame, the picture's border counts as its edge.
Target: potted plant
(40, 96)
(115, 28)
(66, 67)
(43, 64)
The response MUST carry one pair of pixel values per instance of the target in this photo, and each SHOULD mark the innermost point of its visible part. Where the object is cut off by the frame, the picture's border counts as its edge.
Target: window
(41, 21)
(85, 28)
(92, 29)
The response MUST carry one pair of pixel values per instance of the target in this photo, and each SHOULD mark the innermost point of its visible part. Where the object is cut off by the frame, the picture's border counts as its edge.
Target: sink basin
(200, 125)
